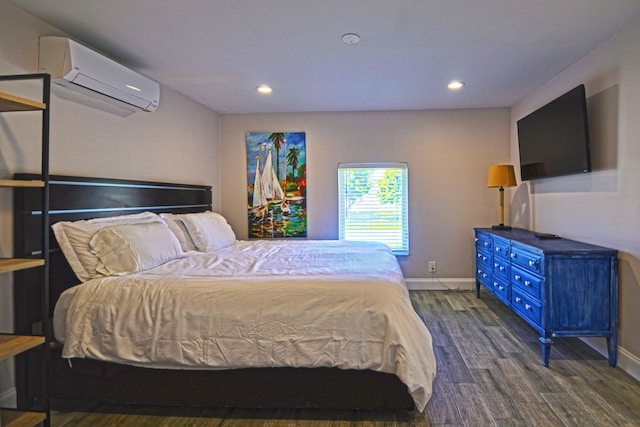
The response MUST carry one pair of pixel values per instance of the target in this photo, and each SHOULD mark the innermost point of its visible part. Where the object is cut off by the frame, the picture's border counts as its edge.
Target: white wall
(448, 151)
(602, 207)
(177, 143)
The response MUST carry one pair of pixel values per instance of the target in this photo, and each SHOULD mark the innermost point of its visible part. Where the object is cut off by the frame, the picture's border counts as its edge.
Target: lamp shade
(501, 176)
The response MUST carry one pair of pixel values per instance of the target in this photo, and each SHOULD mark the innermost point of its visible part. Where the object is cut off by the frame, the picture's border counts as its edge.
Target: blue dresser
(562, 288)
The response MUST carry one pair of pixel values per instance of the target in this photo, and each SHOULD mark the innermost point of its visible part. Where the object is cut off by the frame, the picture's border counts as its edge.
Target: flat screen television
(554, 140)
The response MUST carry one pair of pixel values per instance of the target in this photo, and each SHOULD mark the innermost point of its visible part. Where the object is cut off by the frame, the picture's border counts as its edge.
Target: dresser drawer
(525, 305)
(483, 257)
(500, 289)
(527, 260)
(483, 274)
(501, 247)
(501, 267)
(484, 241)
(526, 281)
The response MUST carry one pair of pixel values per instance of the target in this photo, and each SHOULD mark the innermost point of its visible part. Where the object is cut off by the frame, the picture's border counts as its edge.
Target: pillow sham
(74, 237)
(208, 230)
(176, 225)
(132, 248)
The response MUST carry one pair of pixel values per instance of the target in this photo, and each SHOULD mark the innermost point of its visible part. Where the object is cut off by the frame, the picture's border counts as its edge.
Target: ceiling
(217, 52)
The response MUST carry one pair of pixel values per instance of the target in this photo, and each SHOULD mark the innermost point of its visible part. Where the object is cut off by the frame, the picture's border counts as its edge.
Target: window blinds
(373, 203)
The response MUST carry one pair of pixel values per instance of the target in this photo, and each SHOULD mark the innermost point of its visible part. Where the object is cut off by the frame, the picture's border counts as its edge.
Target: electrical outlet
(432, 266)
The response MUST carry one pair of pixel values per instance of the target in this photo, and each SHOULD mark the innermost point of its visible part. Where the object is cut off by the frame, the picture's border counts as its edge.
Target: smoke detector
(350, 38)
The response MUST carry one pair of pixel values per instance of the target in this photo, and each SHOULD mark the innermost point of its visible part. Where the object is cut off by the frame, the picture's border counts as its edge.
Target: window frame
(343, 169)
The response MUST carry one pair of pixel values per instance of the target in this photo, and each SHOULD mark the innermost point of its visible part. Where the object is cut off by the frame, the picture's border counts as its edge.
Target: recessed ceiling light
(455, 85)
(264, 89)
(350, 38)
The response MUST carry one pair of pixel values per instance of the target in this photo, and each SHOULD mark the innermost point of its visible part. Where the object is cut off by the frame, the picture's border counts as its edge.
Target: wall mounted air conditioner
(80, 69)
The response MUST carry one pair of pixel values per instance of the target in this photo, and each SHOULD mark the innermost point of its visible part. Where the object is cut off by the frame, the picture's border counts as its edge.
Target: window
(374, 203)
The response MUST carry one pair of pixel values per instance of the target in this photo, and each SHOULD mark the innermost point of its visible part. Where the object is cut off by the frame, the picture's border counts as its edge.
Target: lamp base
(501, 227)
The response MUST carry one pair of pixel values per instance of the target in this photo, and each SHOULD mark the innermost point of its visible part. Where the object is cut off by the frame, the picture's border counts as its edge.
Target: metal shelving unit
(31, 410)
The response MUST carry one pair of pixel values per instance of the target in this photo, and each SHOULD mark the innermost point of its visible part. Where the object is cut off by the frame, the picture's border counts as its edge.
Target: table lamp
(501, 176)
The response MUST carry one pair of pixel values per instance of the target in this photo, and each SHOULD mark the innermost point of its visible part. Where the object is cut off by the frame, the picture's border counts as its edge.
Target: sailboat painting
(276, 184)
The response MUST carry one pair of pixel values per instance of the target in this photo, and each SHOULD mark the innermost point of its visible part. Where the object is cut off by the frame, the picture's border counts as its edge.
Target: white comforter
(256, 304)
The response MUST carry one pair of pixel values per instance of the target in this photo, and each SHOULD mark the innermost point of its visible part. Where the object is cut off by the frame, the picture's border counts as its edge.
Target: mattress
(256, 304)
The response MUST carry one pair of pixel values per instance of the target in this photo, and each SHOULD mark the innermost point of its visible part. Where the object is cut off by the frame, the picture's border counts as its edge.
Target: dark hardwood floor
(489, 374)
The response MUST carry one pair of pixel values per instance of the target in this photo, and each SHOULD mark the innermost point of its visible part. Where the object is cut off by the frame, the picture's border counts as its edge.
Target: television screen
(554, 140)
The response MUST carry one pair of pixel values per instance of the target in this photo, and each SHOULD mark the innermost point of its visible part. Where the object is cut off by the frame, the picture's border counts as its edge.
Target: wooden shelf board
(10, 345)
(20, 183)
(14, 264)
(10, 102)
(13, 418)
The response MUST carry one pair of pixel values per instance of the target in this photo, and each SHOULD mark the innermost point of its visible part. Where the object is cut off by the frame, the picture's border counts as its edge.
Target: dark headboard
(74, 198)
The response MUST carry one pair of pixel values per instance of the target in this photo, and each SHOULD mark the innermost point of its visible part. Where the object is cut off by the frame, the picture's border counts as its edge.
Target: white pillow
(208, 230)
(176, 225)
(131, 248)
(74, 237)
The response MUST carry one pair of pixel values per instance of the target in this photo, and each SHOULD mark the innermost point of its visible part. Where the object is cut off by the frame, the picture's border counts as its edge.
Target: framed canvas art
(276, 184)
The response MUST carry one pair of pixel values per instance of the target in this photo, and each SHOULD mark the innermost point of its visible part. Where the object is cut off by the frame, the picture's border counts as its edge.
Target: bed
(224, 322)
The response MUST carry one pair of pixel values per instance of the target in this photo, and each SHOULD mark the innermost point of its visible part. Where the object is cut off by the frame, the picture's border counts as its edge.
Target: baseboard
(628, 362)
(8, 398)
(437, 284)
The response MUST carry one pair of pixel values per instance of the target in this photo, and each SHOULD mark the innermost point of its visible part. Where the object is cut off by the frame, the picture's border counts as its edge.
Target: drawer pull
(498, 249)
(501, 288)
(527, 306)
(518, 299)
(501, 268)
(532, 263)
(517, 277)
(486, 244)
(527, 283)
(485, 275)
(513, 255)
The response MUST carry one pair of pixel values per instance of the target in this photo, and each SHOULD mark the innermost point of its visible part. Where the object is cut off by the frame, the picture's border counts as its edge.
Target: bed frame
(88, 381)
